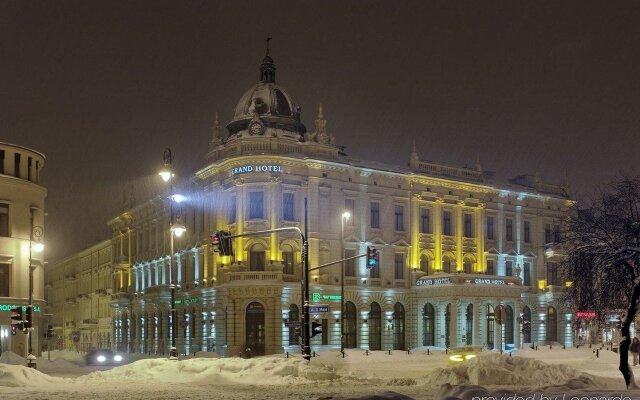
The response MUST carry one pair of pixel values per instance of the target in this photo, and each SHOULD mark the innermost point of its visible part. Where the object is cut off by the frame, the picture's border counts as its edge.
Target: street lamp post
(175, 228)
(345, 217)
(35, 245)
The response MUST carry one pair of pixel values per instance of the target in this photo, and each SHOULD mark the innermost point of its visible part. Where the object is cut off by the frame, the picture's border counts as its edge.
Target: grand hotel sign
(256, 168)
(466, 281)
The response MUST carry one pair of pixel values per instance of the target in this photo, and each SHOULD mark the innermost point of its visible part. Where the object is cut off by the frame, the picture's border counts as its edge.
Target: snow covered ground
(531, 375)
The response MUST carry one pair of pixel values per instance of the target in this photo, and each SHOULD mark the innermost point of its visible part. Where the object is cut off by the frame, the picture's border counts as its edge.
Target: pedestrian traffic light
(373, 257)
(29, 320)
(221, 240)
(17, 319)
(14, 330)
(49, 333)
(316, 328)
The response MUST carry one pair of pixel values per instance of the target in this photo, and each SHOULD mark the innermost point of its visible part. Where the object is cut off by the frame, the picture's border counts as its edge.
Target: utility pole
(306, 347)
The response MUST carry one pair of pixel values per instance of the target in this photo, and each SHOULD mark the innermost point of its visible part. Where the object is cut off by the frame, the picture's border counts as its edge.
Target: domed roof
(268, 102)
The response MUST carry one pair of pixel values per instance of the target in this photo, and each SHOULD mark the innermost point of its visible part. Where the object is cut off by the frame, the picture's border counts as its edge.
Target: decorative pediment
(377, 241)
(493, 250)
(529, 254)
(401, 243)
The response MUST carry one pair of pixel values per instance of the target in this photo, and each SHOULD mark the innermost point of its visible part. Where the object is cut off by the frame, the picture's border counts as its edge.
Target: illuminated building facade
(454, 248)
(21, 228)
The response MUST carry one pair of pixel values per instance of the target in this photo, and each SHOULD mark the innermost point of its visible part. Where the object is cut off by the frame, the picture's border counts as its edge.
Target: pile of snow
(256, 371)
(492, 369)
(18, 375)
(12, 358)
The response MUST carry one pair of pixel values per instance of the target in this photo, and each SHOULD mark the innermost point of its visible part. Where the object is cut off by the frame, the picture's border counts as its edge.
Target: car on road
(103, 357)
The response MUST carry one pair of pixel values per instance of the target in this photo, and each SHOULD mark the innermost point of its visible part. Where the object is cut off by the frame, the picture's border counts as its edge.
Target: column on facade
(517, 326)
(480, 215)
(459, 232)
(414, 226)
(453, 323)
(477, 334)
(275, 201)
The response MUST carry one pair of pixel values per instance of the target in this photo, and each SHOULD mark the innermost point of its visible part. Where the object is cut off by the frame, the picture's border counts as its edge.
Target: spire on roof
(268, 68)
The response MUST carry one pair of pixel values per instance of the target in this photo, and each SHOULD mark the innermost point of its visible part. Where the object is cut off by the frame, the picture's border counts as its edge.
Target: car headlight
(101, 358)
(117, 358)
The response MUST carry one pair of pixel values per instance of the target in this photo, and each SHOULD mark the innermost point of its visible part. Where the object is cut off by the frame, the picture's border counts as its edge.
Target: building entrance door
(254, 328)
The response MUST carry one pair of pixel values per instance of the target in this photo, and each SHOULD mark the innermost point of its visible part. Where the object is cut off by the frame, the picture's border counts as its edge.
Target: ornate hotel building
(462, 261)
(21, 227)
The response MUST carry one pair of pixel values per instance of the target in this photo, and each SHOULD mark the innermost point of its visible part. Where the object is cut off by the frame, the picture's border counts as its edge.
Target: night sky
(102, 87)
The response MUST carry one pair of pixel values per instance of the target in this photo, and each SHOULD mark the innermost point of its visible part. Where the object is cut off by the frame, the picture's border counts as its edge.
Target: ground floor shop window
(428, 323)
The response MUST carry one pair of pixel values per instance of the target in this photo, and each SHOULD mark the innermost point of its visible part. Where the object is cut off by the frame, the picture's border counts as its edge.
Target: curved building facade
(462, 261)
(21, 227)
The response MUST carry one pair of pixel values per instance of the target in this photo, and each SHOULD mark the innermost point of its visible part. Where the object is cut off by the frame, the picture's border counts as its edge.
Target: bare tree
(602, 244)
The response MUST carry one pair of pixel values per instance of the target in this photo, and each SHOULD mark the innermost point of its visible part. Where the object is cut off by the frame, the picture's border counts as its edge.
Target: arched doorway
(294, 316)
(508, 325)
(551, 322)
(526, 325)
(469, 321)
(375, 327)
(467, 266)
(424, 264)
(491, 326)
(428, 323)
(255, 328)
(398, 327)
(350, 321)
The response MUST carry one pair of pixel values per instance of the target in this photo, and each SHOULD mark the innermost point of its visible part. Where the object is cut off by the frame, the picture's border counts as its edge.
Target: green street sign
(315, 297)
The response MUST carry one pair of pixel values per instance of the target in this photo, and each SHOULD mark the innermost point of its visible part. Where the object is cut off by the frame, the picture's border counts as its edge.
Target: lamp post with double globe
(177, 229)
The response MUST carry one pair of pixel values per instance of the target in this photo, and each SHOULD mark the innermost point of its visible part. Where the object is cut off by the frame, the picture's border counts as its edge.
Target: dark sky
(102, 87)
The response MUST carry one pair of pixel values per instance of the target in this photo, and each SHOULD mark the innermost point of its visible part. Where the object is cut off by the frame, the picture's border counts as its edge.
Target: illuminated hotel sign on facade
(447, 281)
(245, 169)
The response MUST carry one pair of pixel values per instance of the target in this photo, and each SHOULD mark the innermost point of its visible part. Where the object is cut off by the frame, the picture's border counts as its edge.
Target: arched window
(469, 320)
(551, 325)
(508, 325)
(490, 326)
(467, 266)
(447, 330)
(428, 323)
(526, 325)
(398, 327)
(447, 265)
(375, 327)
(350, 324)
(256, 258)
(287, 259)
(424, 264)
(294, 316)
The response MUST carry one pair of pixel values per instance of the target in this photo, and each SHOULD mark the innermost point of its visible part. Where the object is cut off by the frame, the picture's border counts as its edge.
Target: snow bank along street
(533, 375)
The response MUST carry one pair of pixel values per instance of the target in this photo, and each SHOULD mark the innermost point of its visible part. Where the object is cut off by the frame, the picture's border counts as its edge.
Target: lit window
(375, 215)
(288, 207)
(256, 205)
(399, 214)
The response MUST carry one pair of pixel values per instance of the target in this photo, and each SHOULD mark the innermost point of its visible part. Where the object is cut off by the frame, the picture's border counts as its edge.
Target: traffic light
(29, 320)
(222, 242)
(49, 333)
(14, 330)
(316, 328)
(17, 318)
(373, 257)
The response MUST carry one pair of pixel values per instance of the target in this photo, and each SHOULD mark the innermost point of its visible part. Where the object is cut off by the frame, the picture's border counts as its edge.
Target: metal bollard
(597, 353)
(428, 353)
(446, 351)
(342, 352)
(287, 354)
(389, 351)
(408, 352)
(314, 353)
(366, 352)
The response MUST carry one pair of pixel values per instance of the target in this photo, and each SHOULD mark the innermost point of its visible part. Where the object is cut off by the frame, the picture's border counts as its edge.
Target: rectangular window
(350, 265)
(16, 165)
(399, 214)
(288, 207)
(552, 274)
(526, 274)
(425, 220)
(4, 220)
(256, 205)
(398, 263)
(375, 215)
(490, 229)
(508, 268)
(547, 233)
(509, 230)
(350, 206)
(527, 231)
(4, 280)
(1, 161)
(287, 260)
(446, 223)
(556, 234)
(491, 267)
(29, 162)
(232, 209)
(468, 225)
